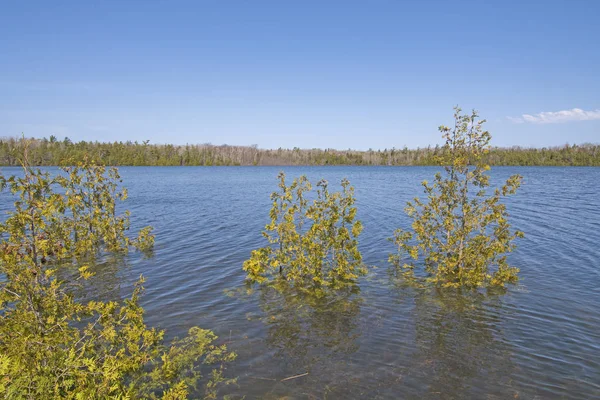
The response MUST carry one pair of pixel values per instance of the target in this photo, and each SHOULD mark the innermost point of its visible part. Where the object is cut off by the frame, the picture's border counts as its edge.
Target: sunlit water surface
(539, 340)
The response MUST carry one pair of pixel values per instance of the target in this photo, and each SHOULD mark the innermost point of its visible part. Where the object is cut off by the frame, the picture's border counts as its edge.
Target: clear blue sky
(341, 74)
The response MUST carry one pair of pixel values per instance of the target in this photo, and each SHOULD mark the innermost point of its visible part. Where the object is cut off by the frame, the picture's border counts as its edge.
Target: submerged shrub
(461, 232)
(53, 345)
(311, 245)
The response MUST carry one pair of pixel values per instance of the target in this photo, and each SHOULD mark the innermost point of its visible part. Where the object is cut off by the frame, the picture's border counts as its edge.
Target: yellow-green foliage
(461, 232)
(51, 344)
(312, 245)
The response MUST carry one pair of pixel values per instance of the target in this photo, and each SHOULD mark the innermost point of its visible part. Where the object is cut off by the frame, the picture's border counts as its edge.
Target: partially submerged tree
(54, 345)
(311, 245)
(461, 232)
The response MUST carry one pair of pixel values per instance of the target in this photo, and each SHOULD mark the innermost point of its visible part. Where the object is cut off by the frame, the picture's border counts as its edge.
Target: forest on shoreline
(49, 152)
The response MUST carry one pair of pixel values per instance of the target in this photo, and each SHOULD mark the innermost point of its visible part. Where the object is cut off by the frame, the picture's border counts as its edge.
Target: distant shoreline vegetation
(51, 151)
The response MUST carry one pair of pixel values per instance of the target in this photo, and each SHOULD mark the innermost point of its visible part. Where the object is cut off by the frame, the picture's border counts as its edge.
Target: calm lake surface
(539, 340)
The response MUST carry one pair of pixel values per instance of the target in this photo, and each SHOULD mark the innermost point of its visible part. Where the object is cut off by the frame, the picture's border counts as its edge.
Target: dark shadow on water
(461, 350)
(108, 282)
(304, 342)
(304, 328)
(431, 344)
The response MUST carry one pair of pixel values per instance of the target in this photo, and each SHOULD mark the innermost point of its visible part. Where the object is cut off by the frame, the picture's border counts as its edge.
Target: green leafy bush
(461, 232)
(53, 345)
(311, 245)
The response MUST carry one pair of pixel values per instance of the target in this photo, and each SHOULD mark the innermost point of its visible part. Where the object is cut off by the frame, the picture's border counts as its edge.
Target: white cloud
(555, 117)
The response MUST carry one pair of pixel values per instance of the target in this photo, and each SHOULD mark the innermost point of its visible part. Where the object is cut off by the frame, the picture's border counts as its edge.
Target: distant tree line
(51, 151)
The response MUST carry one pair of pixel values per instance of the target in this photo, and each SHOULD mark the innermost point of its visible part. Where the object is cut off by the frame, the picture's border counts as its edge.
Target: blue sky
(339, 74)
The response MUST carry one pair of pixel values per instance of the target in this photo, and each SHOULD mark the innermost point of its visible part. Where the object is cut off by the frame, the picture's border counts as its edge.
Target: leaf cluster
(53, 345)
(313, 245)
(460, 233)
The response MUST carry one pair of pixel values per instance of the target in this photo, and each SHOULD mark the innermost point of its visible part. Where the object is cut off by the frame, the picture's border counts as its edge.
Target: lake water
(539, 340)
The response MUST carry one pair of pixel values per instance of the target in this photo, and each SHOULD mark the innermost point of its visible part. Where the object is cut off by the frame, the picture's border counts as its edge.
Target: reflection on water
(456, 346)
(306, 341)
(304, 329)
(460, 347)
(104, 285)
